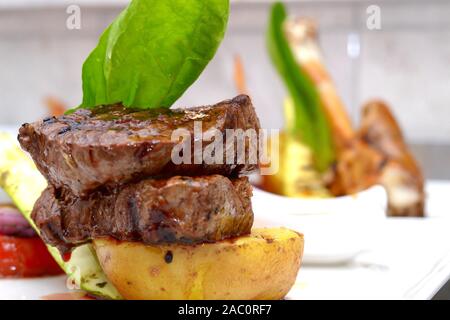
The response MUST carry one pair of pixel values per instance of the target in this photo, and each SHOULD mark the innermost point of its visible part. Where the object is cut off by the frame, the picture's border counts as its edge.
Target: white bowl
(336, 230)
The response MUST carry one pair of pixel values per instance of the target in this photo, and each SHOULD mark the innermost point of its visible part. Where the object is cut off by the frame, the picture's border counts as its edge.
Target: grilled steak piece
(176, 210)
(112, 145)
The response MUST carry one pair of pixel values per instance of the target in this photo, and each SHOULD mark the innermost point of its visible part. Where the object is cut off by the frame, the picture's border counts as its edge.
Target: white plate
(32, 289)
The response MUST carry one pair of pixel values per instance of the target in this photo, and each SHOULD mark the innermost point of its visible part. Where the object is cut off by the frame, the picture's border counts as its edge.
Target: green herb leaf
(309, 122)
(153, 52)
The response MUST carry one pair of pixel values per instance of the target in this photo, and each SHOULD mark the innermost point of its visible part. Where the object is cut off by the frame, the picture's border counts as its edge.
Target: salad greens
(309, 121)
(153, 52)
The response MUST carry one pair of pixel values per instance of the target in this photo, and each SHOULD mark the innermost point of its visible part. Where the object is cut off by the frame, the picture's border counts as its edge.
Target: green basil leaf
(153, 52)
(309, 123)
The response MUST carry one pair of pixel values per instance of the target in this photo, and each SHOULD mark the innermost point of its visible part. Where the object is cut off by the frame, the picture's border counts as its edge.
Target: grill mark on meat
(165, 234)
(64, 130)
(134, 215)
(92, 160)
(49, 120)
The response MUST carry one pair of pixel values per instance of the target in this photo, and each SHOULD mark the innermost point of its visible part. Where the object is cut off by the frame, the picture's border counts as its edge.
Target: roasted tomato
(25, 257)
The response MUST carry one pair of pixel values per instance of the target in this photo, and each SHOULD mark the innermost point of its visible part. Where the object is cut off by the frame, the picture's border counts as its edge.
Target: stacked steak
(111, 174)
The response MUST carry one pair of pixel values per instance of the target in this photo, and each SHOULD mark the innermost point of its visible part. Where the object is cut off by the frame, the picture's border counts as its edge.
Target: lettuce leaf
(152, 53)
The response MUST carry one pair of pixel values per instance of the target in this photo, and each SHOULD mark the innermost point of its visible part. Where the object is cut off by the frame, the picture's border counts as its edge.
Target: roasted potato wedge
(263, 265)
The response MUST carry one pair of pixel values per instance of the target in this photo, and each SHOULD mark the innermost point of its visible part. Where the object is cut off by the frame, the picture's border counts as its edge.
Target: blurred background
(405, 62)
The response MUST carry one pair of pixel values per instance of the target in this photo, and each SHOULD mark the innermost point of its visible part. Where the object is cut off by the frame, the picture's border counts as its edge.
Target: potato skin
(260, 266)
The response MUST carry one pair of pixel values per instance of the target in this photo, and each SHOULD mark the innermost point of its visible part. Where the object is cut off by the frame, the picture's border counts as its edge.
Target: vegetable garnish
(12, 223)
(25, 257)
(309, 123)
(21, 180)
(153, 52)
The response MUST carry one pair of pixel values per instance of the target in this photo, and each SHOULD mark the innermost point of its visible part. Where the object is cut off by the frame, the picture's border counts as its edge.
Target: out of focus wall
(406, 62)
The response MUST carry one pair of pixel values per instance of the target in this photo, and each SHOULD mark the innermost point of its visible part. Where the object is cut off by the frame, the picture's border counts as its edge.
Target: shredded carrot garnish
(239, 75)
(54, 106)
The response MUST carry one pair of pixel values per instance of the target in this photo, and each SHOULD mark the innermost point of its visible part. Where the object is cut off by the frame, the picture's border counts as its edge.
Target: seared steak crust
(113, 145)
(175, 210)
